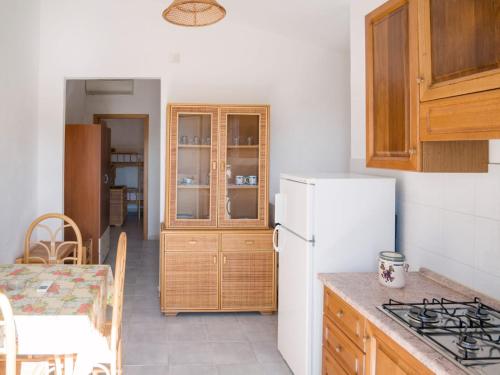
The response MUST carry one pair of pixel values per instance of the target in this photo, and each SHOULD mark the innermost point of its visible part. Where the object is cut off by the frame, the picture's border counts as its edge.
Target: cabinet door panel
(191, 280)
(243, 187)
(248, 280)
(460, 46)
(192, 177)
(392, 103)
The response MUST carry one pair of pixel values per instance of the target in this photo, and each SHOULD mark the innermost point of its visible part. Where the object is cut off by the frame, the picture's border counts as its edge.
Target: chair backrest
(52, 251)
(9, 335)
(116, 320)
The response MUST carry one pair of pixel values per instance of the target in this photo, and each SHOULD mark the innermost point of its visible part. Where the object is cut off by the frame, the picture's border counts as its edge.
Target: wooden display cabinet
(433, 79)
(216, 248)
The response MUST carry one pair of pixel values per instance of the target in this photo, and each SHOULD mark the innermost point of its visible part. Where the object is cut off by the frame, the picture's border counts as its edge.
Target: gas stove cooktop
(465, 332)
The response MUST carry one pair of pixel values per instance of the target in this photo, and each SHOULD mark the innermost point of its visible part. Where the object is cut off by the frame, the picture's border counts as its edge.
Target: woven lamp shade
(194, 12)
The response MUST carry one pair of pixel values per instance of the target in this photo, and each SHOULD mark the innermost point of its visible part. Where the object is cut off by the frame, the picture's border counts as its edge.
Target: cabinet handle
(214, 165)
(215, 259)
(326, 333)
(338, 348)
(420, 80)
(224, 259)
(192, 242)
(249, 242)
(357, 329)
(222, 166)
(356, 366)
(340, 314)
(412, 151)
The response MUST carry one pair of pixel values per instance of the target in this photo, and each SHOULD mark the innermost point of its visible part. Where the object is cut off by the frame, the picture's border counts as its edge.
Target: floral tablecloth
(67, 318)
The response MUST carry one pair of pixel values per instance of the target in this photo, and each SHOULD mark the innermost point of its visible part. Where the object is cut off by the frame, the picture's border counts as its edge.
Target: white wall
(19, 44)
(306, 85)
(449, 223)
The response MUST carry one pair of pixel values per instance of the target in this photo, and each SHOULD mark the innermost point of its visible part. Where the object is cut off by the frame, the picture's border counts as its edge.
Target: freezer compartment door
(295, 207)
(294, 306)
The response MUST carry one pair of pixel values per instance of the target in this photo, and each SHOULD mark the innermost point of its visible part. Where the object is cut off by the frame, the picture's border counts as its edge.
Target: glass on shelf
(243, 157)
(193, 167)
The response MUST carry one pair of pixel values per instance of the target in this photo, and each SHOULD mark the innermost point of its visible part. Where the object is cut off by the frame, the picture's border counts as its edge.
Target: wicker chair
(111, 361)
(52, 251)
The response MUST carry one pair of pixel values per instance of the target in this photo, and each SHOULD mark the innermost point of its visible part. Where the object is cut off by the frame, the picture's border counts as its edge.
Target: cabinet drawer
(462, 118)
(348, 319)
(342, 349)
(330, 366)
(247, 242)
(191, 242)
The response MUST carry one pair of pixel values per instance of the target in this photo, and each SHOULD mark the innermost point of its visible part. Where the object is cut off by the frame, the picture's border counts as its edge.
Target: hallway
(189, 344)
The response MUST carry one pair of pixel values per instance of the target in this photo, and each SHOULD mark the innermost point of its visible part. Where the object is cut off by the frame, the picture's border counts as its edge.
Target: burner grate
(468, 332)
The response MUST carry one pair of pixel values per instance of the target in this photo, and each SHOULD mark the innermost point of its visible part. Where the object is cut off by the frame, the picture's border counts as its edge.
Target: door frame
(145, 120)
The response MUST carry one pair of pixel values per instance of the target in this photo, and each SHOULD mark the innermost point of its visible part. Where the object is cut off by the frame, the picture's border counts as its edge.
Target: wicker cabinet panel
(192, 242)
(117, 205)
(246, 242)
(248, 280)
(191, 280)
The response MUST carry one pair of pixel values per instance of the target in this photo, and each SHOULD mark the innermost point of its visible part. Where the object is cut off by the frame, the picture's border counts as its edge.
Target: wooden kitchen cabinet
(353, 345)
(459, 43)
(384, 356)
(427, 72)
(217, 270)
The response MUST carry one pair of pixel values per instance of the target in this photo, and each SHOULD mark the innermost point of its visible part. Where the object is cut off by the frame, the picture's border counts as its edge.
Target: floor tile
(146, 370)
(192, 370)
(241, 369)
(227, 353)
(191, 353)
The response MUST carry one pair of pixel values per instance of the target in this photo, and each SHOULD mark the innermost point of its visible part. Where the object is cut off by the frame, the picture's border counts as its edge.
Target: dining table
(67, 319)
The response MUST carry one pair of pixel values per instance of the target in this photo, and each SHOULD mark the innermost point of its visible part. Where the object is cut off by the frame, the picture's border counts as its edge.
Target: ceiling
(323, 22)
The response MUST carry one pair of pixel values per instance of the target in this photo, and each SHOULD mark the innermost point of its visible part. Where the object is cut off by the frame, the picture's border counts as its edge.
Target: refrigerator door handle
(275, 238)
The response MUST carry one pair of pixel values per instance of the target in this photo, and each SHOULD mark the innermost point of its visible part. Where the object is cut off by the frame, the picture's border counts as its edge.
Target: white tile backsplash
(449, 223)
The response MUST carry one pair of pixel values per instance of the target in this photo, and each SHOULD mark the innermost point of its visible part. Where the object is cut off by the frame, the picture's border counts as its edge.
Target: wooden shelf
(242, 186)
(195, 146)
(244, 147)
(193, 186)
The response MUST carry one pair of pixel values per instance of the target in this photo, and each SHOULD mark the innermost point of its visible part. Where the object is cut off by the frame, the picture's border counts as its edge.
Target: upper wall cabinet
(391, 53)
(433, 84)
(459, 47)
(218, 166)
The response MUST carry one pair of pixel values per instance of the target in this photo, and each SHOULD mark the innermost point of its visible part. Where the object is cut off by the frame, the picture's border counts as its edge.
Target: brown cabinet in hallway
(86, 182)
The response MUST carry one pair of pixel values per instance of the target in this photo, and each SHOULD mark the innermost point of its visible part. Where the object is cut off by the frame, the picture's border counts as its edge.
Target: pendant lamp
(194, 13)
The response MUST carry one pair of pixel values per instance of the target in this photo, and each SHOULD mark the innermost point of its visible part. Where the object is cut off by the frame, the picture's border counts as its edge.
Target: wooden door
(244, 167)
(392, 91)
(192, 166)
(248, 280)
(459, 44)
(190, 281)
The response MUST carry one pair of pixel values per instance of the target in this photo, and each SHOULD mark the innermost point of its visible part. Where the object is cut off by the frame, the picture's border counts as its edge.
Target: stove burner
(478, 313)
(423, 315)
(468, 343)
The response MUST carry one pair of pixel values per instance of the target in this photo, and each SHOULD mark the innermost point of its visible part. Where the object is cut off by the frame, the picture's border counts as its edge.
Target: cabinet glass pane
(465, 37)
(390, 89)
(242, 167)
(193, 166)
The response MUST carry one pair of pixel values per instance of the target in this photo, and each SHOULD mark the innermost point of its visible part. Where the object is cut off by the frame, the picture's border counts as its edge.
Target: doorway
(129, 160)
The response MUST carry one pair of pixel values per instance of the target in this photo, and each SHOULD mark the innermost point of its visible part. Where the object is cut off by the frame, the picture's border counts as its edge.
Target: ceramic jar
(392, 269)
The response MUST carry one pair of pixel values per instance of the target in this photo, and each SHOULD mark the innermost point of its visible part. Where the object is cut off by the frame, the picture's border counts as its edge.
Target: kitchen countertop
(364, 293)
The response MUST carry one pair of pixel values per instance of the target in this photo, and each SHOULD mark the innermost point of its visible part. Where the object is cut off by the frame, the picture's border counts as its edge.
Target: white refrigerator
(324, 223)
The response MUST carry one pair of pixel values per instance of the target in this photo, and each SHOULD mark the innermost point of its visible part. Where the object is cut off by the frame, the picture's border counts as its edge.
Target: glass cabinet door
(193, 166)
(460, 47)
(244, 167)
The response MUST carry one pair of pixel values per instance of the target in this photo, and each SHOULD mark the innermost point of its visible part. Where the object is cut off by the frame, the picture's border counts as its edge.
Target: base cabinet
(354, 346)
(220, 270)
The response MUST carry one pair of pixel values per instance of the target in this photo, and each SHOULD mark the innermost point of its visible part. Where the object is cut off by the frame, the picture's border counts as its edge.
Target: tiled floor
(189, 344)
